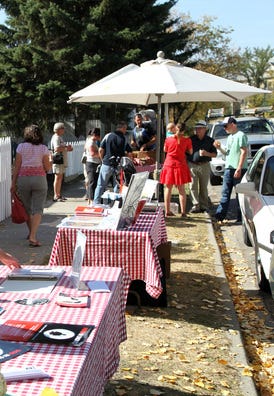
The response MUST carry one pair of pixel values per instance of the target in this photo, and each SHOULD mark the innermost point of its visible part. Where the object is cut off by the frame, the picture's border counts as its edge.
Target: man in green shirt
(235, 165)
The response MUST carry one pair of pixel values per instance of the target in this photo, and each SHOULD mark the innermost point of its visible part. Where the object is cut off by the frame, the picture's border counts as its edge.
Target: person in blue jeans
(235, 165)
(112, 146)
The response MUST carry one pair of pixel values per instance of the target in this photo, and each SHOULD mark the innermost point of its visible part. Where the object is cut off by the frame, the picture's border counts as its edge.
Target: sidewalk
(13, 236)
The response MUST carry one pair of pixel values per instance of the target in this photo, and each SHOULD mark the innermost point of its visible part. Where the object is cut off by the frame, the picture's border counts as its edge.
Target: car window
(268, 182)
(255, 170)
(255, 126)
(219, 132)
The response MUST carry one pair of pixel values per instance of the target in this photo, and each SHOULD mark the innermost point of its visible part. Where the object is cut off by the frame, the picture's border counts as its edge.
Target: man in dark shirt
(203, 151)
(144, 137)
(112, 145)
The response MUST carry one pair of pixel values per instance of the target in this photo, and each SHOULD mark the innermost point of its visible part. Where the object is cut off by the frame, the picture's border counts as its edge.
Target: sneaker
(221, 222)
(195, 209)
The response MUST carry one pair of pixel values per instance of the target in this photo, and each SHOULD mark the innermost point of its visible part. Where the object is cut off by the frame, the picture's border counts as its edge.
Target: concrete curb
(237, 347)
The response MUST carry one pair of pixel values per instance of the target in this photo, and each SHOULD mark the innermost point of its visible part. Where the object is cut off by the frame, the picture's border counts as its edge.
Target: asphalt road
(242, 255)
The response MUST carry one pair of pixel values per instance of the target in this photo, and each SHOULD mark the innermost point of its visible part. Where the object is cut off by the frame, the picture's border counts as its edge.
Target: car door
(253, 204)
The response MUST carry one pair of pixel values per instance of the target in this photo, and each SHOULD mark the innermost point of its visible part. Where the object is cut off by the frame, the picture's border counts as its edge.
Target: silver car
(256, 199)
(259, 132)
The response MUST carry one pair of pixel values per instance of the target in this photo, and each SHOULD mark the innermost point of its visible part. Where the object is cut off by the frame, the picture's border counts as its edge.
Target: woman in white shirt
(93, 160)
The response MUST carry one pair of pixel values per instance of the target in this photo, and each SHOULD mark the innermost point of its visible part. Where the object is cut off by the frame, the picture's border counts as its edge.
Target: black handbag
(114, 161)
(84, 158)
(58, 158)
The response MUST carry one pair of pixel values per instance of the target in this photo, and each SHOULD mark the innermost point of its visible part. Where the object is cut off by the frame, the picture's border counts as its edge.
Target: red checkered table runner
(145, 168)
(133, 250)
(75, 371)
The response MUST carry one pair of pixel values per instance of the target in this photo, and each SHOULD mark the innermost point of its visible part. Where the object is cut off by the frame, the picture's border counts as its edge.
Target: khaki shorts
(58, 168)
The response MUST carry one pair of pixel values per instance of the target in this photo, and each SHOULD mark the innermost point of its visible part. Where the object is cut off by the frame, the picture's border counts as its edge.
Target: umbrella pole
(158, 141)
(158, 144)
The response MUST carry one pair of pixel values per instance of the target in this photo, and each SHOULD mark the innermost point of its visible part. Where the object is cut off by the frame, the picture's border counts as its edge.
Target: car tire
(215, 180)
(262, 281)
(246, 239)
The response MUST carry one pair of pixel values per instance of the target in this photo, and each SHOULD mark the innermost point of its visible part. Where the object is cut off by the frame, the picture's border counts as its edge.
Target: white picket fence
(74, 169)
(5, 177)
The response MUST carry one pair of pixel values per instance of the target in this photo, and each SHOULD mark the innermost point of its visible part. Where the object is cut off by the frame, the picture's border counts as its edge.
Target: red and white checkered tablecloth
(75, 371)
(145, 168)
(134, 250)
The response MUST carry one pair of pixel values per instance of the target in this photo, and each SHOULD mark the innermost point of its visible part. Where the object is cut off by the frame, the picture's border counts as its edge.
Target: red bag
(18, 211)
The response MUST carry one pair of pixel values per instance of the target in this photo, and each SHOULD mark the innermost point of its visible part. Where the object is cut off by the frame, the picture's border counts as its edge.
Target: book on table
(39, 274)
(31, 280)
(9, 350)
(89, 210)
(45, 332)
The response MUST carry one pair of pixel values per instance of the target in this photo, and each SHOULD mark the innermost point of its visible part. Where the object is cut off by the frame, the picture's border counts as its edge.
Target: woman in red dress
(175, 169)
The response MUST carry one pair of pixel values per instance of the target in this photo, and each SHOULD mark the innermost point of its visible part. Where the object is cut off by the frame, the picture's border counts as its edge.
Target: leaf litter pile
(258, 337)
(187, 347)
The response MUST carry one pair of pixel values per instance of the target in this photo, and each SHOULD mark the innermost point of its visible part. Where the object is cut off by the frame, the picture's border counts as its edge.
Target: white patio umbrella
(163, 81)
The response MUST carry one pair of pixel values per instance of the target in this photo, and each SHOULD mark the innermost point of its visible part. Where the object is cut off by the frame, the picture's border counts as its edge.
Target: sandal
(59, 199)
(169, 214)
(34, 243)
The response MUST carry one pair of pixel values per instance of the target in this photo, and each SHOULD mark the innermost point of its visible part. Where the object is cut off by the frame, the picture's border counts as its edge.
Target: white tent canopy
(170, 80)
(163, 81)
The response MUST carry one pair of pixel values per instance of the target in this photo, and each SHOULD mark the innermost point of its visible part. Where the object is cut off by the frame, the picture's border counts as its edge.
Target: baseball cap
(229, 120)
(58, 125)
(200, 124)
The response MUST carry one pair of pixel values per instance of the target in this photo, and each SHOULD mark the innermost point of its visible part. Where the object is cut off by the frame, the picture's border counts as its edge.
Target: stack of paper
(98, 286)
(89, 222)
(23, 373)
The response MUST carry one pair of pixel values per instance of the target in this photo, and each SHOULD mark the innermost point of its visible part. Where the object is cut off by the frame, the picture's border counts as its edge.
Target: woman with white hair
(59, 148)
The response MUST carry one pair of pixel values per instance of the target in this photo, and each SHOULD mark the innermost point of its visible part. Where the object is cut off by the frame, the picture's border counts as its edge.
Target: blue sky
(252, 21)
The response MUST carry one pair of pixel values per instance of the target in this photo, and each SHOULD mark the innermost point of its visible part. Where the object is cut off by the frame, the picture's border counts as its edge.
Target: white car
(259, 132)
(256, 198)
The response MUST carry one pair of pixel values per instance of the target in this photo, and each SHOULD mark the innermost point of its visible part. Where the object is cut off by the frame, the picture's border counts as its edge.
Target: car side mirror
(247, 188)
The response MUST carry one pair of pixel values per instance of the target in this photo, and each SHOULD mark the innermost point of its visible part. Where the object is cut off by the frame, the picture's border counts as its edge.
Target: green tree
(50, 49)
(255, 63)
(254, 69)
(215, 55)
